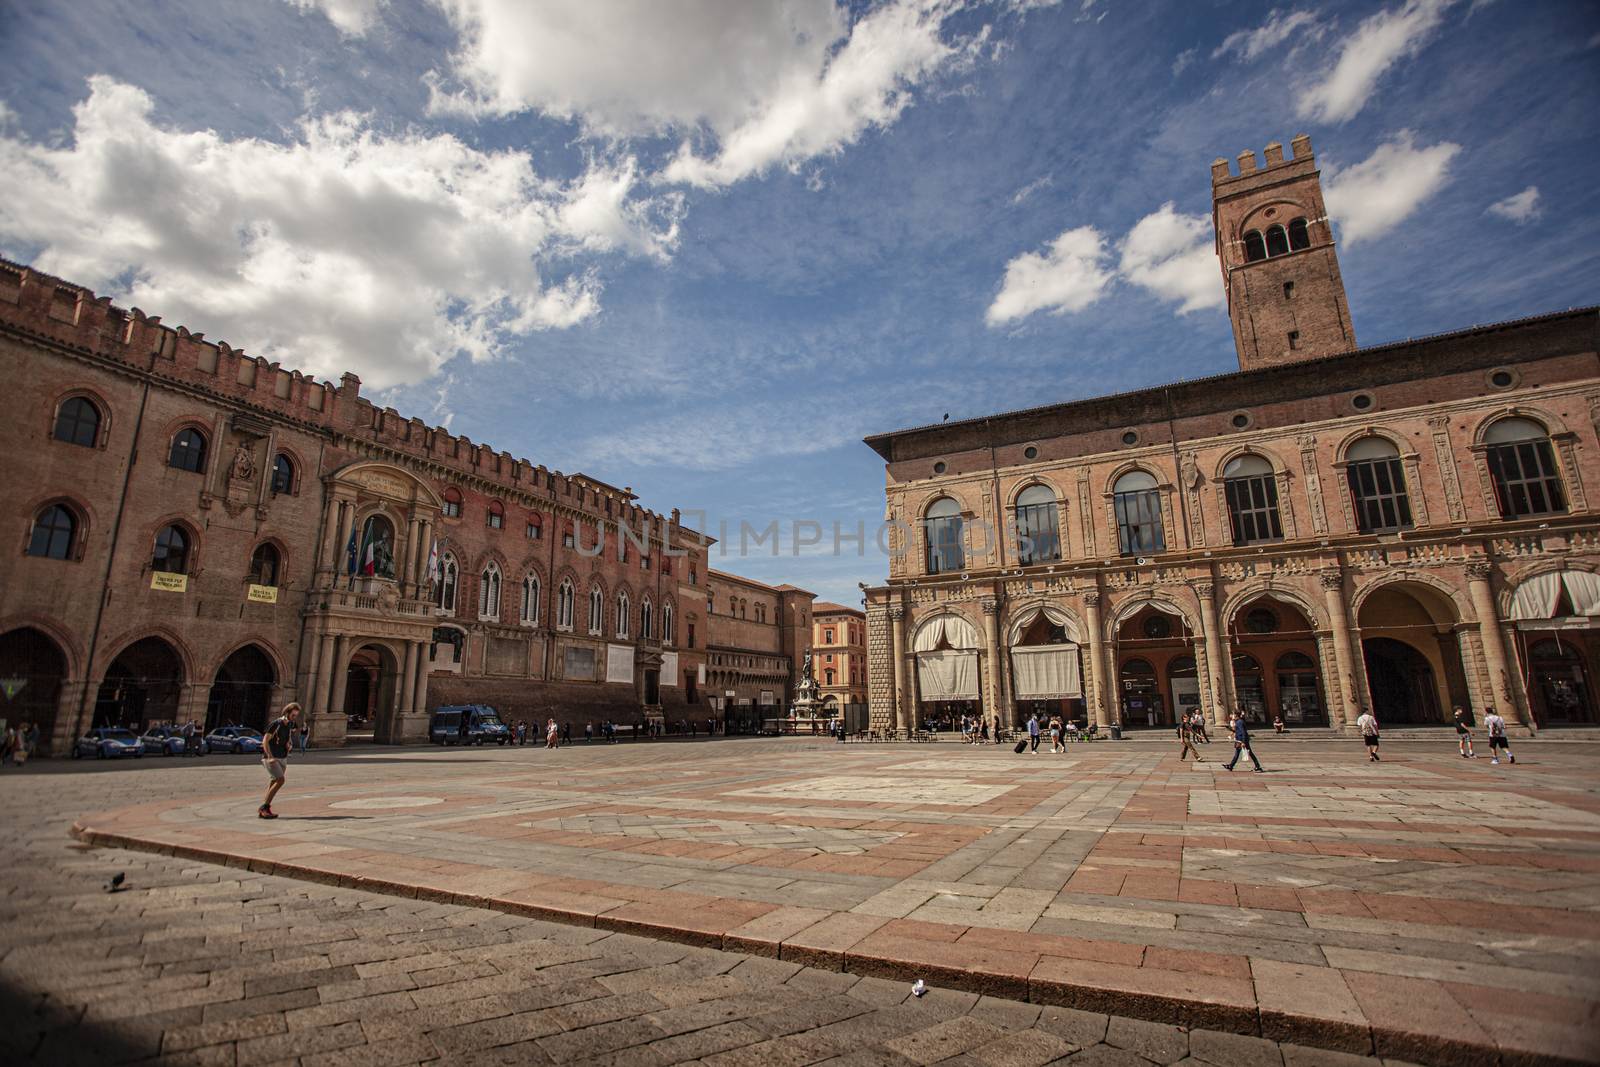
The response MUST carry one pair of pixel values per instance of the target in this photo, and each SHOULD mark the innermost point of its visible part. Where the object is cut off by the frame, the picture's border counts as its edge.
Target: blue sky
(702, 248)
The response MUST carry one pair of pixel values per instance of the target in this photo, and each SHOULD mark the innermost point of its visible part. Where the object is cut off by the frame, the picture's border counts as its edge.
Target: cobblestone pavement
(1432, 908)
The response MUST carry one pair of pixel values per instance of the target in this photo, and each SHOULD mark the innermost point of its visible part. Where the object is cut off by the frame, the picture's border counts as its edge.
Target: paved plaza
(1427, 908)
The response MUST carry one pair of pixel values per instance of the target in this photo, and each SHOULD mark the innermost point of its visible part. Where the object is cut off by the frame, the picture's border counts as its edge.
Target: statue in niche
(243, 467)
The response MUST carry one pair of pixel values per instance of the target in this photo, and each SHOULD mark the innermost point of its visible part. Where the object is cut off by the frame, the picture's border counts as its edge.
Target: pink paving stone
(1312, 1003)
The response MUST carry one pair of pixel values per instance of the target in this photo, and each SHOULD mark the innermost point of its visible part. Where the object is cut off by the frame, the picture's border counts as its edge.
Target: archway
(143, 685)
(1559, 686)
(1401, 681)
(1412, 653)
(32, 669)
(1557, 620)
(370, 692)
(241, 693)
(1275, 663)
(948, 667)
(1046, 666)
(1148, 642)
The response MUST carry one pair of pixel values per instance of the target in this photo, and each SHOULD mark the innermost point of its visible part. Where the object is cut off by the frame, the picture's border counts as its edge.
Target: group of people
(19, 744)
(1192, 732)
(1493, 723)
(1059, 733)
(606, 731)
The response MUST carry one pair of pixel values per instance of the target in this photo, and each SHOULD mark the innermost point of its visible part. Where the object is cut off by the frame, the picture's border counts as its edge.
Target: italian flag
(367, 554)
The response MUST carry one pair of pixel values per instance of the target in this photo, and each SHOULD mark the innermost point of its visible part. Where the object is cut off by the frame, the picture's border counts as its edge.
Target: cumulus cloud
(1378, 43)
(1279, 27)
(1174, 256)
(1382, 190)
(351, 17)
(341, 249)
(746, 86)
(1069, 275)
(1520, 207)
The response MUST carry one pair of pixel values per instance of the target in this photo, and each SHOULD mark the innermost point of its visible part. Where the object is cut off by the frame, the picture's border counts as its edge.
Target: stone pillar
(407, 576)
(405, 699)
(420, 689)
(897, 627)
(1344, 707)
(340, 675)
(347, 518)
(321, 698)
(995, 690)
(1493, 641)
(307, 689)
(1100, 682)
(1217, 661)
(332, 520)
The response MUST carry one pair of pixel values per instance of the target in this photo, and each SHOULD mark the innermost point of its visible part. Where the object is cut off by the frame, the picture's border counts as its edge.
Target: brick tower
(1285, 295)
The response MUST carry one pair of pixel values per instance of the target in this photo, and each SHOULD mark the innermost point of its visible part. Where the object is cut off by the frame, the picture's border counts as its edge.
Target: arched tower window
(265, 564)
(622, 614)
(1254, 247)
(172, 550)
(55, 531)
(530, 600)
(77, 422)
(489, 592)
(1299, 235)
(282, 475)
(668, 635)
(1277, 241)
(449, 578)
(596, 608)
(941, 526)
(1377, 486)
(188, 451)
(1038, 538)
(1137, 503)
(1522, 462)
(1252, 493)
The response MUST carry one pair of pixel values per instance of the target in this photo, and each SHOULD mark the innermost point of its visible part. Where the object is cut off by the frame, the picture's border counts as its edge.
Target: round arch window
(939, 467)
(1502, 378)
(1241, 420)
(1362, 401)
(1030, 453)
(1158, 627)
(1130, 437)
(1261, 621)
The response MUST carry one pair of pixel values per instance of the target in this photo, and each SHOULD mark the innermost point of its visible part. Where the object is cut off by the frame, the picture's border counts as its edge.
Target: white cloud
(342, 249)
(747, 85)
(1174, 256)
(1372, 196)
(1279, 27)
(1520, 207)
(352, 17)
(1377, 44)
(1022, 195)
(1184, 61)
(1068, 276)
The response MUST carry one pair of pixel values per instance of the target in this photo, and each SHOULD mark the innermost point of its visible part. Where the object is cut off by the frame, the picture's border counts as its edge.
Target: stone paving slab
(1392, 908)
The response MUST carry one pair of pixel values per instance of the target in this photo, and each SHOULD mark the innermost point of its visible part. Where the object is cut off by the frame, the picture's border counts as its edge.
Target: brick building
(839, 642)
(1401, 528)
(756, 641)
(184, 542)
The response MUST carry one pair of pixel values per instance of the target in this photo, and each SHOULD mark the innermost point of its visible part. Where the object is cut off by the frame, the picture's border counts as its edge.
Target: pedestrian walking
(1241, 743)
(551, 736)
(1199, 721)
(1033, 734)
(1498, 742)
(1463, 734)
(566, 733)
(1186, 741)
(275, 755)
(1056, 744)
(1367, 723)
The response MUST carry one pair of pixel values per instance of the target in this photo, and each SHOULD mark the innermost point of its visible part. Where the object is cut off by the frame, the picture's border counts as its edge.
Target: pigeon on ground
(918, 989)
(116, 882)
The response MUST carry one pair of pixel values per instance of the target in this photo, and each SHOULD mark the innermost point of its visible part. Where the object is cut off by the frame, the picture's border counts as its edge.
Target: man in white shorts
(275, 755)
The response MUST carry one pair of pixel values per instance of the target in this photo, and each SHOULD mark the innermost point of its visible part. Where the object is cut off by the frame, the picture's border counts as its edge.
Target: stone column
(1493, 641)
(332, 519)
(1100, 687)
(405, 699)
(1217, 672)
(340, 675)
(424, 547)
(347, 518)
(321, 697)
(897, 627)
(1344, 707)
(307, 689)
(991, 633)
(406, 575)
(420, 688)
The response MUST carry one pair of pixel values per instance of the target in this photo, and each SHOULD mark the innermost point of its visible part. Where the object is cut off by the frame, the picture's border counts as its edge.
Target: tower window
(1277, 241)
(1294, 339)
(1254, 247)
(1288, 290)
(1299, 235)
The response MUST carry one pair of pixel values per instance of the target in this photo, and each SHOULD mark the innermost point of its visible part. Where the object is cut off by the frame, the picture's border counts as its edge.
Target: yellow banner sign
(263, 594)
(169, 583)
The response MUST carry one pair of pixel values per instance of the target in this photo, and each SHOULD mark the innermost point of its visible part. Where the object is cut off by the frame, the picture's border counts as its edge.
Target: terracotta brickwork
(758, 636)
(839, 643)
(100, 637)
(1400, 529)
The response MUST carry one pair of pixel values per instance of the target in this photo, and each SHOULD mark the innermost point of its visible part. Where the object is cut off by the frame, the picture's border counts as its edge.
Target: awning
(953, 629)
(1046, 671)
(948, 675)
(1536, 597)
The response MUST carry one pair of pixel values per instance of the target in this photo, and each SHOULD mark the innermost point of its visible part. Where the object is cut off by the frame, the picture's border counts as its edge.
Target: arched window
(1523, 464)
(941, 526)
(1277, 241)
(668, 634)
(1252, 494)
(264, 564)
(449, 578)
(1377, 486)
(596, 608)
(489, 592)
(282, 474)
(494, 516)
(647, 620)
(565, 609)
(188, 451)
(622, 614)
(530, 600)
(1299, 235)
(1038, 539)
(452, 503)
(733, 606)
(827, 677)
(1254, 247)
(55, 531)
(172, 551)
(1137, 503)
(78, 422)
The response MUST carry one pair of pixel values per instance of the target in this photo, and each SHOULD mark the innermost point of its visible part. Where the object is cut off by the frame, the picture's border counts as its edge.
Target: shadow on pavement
(34, 1028)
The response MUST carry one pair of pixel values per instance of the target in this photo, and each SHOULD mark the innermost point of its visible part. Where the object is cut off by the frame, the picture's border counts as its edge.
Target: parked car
(235, 739)
(168, 741)
(108, 742)
(467, 724)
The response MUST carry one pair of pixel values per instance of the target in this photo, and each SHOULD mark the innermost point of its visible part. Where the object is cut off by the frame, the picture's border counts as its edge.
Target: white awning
(952, 628)
(1537, 597)
(1043, 672)
(1028, 616)
(948, 675)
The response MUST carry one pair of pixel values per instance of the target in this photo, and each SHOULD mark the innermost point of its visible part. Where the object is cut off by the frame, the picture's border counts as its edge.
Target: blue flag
(350, 555)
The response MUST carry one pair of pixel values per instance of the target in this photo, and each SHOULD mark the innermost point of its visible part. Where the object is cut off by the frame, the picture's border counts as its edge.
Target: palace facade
(839, 637)
(1402, 528)
(757, 636)
(205, 535)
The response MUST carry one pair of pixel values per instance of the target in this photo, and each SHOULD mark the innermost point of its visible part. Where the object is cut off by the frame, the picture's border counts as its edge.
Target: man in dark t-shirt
(275, 755)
